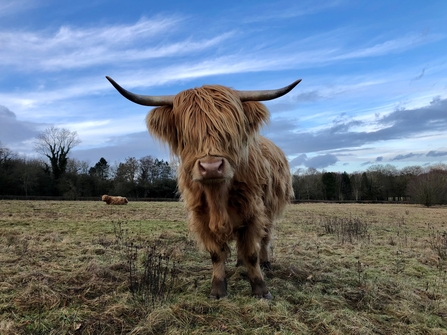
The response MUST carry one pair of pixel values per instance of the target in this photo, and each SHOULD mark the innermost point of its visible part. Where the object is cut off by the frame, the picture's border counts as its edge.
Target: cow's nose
(211, 169)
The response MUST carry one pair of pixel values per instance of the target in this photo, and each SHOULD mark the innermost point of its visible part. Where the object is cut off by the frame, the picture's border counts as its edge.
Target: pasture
(88, 268)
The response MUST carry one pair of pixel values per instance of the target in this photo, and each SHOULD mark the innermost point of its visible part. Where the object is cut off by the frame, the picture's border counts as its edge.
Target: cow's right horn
(145, 100)
(263, 95)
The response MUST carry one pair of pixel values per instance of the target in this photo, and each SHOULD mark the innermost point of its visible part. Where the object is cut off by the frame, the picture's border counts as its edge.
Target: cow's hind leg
(219, 281)
(249, 246)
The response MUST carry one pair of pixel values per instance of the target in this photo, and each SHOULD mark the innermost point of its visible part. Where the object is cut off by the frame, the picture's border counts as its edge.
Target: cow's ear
(257, 115)
(160, 123)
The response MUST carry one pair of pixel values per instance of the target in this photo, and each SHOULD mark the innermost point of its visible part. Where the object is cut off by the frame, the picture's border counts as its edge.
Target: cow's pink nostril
(211, 169)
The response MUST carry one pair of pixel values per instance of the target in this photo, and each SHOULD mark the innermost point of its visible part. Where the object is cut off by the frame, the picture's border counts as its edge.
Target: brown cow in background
(114, 200)
(234, 182)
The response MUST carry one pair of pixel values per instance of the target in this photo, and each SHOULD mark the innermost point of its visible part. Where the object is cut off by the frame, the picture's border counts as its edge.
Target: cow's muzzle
(211, 169)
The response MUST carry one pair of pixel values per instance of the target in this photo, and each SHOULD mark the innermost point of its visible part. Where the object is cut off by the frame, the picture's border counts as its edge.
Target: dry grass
(74, 267)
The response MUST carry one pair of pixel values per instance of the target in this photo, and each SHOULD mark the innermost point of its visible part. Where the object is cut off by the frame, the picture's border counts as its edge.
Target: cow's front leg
(264, 253)
(249, 246)
(219, 281)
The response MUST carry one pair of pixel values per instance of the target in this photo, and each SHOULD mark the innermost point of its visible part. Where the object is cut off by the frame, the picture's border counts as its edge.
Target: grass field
(89, 268)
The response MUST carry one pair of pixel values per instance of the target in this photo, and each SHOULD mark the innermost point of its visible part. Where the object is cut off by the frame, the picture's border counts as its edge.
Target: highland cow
(114, 200)
(234, 182)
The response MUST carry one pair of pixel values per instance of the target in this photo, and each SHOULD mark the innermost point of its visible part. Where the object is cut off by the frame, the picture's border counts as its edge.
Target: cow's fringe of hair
(193, 120)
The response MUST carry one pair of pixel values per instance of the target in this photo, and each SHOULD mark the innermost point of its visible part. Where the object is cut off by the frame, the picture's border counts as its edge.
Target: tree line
(59, 175)
(416, 184)
(136, 178)
(146, 177)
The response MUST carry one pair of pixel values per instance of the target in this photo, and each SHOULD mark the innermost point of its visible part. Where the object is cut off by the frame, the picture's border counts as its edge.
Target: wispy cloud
(317, 162)
(278, 12)
(74, 47)
(81, 47)
(410, 155)
(391, 46)
(400, 124)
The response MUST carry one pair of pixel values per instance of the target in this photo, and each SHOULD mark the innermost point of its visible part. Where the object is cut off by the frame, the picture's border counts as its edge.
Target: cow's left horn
(264, 95)
(145, 100)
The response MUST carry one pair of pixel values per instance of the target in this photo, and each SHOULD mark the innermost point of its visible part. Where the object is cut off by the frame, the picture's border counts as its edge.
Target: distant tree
(166, 188)
(297, 183)
(101, 169)
(128, 171)
(356, 183)
(77, 166)
(21, 175)
(125, 180)
(402, 181)
(430, 187)
(412, 171)
(80, 180)
(5, 154)
(159, 170)
(329, 180)
(311, 185)
(155, 179)
(27, 172)
(365, 187)
(300, 185)
(145, 175)
(7, 164)
(345, 187)
(55, 144)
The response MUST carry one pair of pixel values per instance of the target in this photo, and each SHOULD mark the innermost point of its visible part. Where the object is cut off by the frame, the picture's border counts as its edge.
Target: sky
(373, 90)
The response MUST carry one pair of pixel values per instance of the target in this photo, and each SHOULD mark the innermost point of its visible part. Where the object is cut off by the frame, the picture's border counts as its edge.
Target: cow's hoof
(218, 289)
(217, 296)
(267, 296)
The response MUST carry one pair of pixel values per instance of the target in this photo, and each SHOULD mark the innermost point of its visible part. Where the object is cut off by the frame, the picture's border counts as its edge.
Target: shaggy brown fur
(209, 122)
(114, 200)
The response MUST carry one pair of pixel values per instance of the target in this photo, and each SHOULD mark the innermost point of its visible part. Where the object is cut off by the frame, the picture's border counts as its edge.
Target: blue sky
(374, 87)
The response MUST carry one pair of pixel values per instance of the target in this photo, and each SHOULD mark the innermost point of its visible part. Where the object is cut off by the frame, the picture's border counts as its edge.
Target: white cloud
(80, 47)
(391, 46)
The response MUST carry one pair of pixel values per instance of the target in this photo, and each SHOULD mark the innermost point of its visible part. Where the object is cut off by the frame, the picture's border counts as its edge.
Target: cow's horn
(162, 100)
(145, 100)
(264, 95)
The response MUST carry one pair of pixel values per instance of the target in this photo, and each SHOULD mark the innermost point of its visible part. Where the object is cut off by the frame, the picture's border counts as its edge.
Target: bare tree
(56, 143)
(145, 167)
(308, 184)
(356, 184)
(430, 187)
(5, 154)
(27, 172)
(77, 167)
